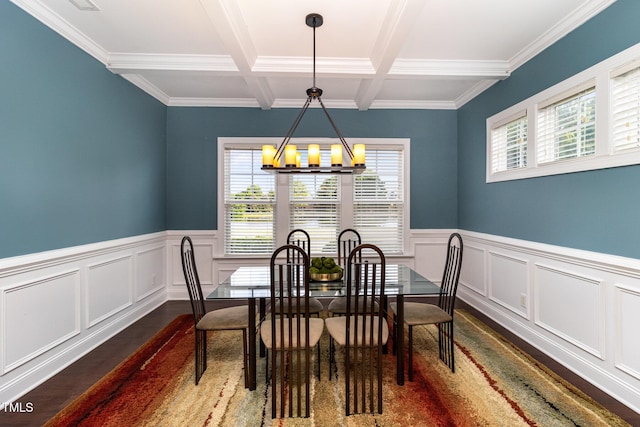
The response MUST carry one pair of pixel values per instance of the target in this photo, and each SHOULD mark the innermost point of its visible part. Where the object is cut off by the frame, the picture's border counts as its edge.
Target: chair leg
(201, 353)
(393, 334)
(446, 344)
(453, 364)
(319, 376)
(410, 344)
(331, 356)
(245, 358)
(266, 366)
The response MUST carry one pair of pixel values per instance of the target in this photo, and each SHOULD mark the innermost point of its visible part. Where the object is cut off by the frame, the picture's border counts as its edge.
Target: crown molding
(412, 105)
(337, 66)
(147, 86)
(329, 103)
(118, 62)
(572, 21)
(476, 90)
(213, 102)
(450, 68)
(45, 15)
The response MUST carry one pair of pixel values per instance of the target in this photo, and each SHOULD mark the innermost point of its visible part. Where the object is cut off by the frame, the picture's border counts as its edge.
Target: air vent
(84, 5)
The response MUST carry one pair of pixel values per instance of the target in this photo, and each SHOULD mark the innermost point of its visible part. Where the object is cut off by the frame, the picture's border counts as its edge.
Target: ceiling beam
(394, 31)
(226, 17)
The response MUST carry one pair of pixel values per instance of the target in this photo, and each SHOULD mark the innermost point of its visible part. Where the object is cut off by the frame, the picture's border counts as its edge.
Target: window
(249, 203)
(589, 121)
(314, 206)
(260, 208)
(509, 144)
(626, 107)
(566, 128)
(378, 200)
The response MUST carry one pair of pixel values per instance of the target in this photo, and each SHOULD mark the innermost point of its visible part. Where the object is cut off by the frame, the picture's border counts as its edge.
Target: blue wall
(593, 210)
(82, 151)
(192, 155)
(85, 156)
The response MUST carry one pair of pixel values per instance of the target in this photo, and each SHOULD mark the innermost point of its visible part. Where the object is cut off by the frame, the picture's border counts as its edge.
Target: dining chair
(301, 238)
(362, 331)
(230, 318)
(348, 239)
(291, 334)
(417, 313)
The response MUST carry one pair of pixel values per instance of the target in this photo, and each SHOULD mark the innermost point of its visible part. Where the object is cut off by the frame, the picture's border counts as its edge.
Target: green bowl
(330, 277)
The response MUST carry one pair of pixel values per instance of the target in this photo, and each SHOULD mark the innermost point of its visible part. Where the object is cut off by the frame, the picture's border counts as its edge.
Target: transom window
(567, 128)
(509, 144)
(589, 121)
(258, 209)
(626, 107)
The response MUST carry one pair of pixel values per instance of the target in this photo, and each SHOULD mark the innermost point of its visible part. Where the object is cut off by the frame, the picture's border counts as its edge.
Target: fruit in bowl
(324, 269)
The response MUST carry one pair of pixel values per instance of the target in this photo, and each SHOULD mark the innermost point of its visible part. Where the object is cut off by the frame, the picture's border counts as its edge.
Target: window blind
(566, 128)
(314, 206)
(509, 145)
(378, 200)
(625, 107)
(249, 203)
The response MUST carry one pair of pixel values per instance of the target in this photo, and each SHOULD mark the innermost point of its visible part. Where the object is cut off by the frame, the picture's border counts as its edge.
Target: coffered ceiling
(258, 53)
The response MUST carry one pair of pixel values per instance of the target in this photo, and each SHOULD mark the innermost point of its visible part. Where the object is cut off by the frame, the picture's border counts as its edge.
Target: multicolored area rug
(495, 384)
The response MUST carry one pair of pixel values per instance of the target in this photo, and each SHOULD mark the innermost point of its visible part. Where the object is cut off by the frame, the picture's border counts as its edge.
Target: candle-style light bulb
(336, 155)
(358, 155)
(313, 155)
(268, 152)
(290, 156)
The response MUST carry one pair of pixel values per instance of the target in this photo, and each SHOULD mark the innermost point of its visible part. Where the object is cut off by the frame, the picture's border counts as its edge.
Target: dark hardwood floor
(63, 388)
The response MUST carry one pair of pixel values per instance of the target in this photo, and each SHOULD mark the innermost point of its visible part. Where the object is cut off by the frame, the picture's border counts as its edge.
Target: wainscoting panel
(58, 305)
(584, 307)
(150, 272)
(45, 310)
(509, 282)
(627, 318)
(570, 306)
(473, 274)
(203, 247)
(433, 255)
(109, 289)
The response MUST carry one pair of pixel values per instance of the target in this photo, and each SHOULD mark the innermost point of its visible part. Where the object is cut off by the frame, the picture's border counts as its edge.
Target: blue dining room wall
(192, 155)
(594, 210)
(82, 151)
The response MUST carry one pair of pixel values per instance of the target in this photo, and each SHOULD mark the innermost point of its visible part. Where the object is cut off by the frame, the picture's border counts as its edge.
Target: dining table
(252, 283)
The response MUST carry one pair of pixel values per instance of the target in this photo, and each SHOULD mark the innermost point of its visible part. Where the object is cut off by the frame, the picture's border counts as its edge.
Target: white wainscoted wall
(58, 305)
(581, 308)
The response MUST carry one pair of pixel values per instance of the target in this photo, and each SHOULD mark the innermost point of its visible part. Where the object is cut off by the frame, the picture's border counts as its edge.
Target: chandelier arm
(293, 128)
(335, 128)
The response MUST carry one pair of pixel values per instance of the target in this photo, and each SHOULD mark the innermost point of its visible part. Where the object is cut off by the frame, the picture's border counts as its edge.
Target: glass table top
(253, 282)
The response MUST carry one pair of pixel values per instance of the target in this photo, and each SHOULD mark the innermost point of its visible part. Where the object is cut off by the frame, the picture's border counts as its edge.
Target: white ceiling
(370, 53)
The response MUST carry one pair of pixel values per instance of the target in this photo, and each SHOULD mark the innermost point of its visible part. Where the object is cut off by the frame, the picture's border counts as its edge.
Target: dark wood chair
(301, 238)
(292, 334)
(417, 313)
(231, 318)
(348, 239)
(362, 335)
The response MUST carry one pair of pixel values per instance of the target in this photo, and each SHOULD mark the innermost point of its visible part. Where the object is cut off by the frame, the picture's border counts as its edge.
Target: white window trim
(604, 157)
(282, 197)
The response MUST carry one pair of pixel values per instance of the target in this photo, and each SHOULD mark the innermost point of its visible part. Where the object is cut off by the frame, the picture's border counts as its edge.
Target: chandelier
(272, 158)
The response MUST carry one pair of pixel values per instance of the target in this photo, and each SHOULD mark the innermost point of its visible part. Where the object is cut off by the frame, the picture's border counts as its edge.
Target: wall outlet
(523, 300)
(153, 280)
